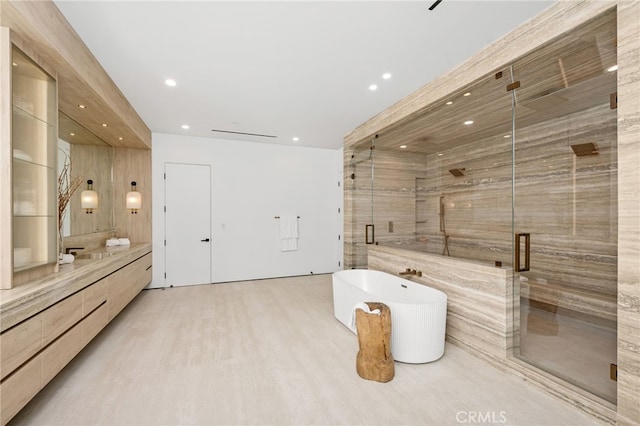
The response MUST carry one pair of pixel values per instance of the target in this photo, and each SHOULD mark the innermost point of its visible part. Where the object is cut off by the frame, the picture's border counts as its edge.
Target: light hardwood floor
(269, 352)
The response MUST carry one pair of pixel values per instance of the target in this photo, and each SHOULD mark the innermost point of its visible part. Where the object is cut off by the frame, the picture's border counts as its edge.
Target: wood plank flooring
(269, 352)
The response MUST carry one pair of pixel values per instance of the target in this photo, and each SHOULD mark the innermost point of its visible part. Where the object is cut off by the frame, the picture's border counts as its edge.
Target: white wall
(251, 183)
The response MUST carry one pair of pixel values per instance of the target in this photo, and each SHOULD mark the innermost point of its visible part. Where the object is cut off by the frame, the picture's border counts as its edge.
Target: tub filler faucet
(411, 272)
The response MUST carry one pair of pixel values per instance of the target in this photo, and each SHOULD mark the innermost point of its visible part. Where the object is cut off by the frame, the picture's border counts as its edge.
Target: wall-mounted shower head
(583, 149)
(457, 172)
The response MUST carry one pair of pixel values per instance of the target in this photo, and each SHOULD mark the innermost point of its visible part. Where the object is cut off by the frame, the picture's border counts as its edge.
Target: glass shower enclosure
(517, 168)
(565, 206)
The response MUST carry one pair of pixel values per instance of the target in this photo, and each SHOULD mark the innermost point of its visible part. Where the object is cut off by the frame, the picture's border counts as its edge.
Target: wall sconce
(134, 199)
(89, 198)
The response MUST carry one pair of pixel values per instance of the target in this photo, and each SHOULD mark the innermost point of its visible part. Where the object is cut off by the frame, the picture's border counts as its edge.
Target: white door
(340, 220)
(187, 224)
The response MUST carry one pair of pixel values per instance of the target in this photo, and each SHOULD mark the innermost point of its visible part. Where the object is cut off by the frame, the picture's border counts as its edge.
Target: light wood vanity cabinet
(35, 350)
(121, 290)
(20, 343)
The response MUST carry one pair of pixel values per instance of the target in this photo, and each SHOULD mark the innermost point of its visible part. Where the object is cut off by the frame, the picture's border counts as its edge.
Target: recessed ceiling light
(440, 154)
(468, 122)
(612, 68)
(170, 82)
(373, 87)
(386, 76)
(81, 106)
(72, 134)
(120, 138)
(104, 124)
(450, 103)
(403, 146)
(467, 94)
(185, 126)
(506, 136)
(14, 64)
(295, 139)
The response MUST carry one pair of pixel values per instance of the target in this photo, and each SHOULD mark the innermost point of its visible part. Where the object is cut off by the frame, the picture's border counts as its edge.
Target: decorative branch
(67, 185)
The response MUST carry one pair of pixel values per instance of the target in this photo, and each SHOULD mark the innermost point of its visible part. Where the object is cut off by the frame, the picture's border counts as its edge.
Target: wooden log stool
(374, 360)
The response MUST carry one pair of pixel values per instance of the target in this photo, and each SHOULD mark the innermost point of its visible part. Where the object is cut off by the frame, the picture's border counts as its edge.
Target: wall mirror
(87, 158)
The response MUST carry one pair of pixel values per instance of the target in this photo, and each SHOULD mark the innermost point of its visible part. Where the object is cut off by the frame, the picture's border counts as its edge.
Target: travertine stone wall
(391, 193)
(629, 212)
(479, 307)
(567, 203)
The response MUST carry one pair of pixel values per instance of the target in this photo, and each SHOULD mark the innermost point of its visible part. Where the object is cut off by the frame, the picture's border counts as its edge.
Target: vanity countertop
(26, 300)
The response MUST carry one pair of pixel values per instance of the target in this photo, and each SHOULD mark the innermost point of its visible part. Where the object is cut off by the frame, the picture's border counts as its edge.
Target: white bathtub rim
(441, 295)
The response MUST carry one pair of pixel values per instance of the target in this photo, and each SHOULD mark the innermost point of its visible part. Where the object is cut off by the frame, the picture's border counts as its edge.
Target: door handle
(527, 250)
(206, 240)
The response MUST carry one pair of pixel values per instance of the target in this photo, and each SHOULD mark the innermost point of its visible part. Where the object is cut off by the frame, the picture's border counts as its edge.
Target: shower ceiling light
(170, 82)
(386, 76)
(468, 122)
(373, 87)
(403, 146)
(467, 94)
(450, 103)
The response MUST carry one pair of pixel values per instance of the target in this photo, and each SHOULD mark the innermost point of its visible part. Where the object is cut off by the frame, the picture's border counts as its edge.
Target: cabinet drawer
(20, 387)
(140, 275)
(60, 317)
(126, 283)
(60, 352)
(95, 322)
(20, 343)
(93, 296)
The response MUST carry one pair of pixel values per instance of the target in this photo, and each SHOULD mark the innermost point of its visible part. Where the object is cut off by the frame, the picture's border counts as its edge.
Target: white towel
(124, 241)
(111, 242)
(289, 232)
(65, 258)
(363, 306)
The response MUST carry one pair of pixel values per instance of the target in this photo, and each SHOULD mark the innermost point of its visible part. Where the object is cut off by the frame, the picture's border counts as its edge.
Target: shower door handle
(527, 250)
(369, 234)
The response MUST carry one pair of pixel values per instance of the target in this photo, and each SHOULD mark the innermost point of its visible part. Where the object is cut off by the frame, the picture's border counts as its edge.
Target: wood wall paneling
(132, 165)
(81, 79)
(6, 158)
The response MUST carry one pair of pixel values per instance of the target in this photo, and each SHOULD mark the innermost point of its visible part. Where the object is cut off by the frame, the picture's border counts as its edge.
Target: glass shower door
(359, 186)
(565, 207)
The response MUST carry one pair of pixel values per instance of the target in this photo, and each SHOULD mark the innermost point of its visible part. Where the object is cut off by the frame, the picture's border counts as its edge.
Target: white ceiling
(287, 68)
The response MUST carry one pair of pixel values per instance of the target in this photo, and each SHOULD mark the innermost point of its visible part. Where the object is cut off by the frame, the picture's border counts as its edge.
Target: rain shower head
(457, 172)
(583, 149)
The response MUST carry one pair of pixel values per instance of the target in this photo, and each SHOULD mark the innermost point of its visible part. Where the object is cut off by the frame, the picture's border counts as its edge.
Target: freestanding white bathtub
(418, 312)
